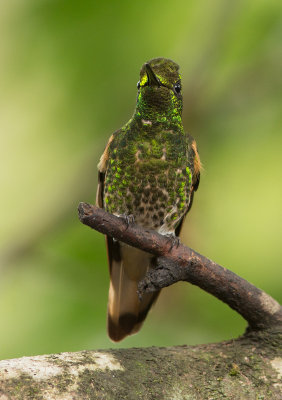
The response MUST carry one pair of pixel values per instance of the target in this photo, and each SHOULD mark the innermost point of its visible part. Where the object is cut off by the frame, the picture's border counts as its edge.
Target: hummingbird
(149, 172)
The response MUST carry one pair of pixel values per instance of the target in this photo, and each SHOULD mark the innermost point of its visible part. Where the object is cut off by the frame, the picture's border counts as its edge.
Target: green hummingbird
(149, 170)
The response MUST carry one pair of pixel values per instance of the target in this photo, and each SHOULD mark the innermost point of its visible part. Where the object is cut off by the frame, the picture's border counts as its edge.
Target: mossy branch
(180, 263)
(246, 368)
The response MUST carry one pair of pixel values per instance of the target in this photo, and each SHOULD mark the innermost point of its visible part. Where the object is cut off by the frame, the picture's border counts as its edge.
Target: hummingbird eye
(177, 88)
(138, 85)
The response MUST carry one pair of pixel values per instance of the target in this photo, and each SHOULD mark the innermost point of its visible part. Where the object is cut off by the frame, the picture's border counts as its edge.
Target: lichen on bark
(246, 368)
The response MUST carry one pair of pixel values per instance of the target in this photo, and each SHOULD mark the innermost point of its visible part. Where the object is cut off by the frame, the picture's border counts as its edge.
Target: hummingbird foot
(174, 240)
(129, 219)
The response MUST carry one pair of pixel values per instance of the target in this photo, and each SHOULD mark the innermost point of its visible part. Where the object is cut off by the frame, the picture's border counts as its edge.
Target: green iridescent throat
(159, 105)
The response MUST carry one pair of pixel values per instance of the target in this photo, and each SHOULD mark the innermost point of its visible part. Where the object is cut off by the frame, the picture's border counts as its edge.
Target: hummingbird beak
(152, 79)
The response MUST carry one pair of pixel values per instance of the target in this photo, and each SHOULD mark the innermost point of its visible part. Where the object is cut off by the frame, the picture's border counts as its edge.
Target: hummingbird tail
(126, 312)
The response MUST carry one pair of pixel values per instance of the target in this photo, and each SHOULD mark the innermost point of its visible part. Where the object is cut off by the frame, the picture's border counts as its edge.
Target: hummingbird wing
(195, 179)
(127, 266)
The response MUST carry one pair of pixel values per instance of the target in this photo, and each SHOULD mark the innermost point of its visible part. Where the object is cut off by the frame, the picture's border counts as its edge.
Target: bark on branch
(180, 263)
(245, 368)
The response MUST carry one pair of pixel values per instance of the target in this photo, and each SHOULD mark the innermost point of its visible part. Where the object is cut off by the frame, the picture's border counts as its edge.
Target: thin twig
(180, 263)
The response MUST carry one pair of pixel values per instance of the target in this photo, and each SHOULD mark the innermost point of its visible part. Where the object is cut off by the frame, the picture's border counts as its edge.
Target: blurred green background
(68, 80)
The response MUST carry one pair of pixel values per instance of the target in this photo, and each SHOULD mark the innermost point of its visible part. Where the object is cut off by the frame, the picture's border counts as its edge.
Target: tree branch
(180, 263)
(245, 368)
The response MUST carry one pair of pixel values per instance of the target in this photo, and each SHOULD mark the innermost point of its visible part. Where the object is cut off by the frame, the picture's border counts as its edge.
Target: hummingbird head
(159, 88)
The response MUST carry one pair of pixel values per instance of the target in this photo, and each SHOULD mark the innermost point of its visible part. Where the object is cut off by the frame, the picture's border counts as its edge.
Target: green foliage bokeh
(68, 80)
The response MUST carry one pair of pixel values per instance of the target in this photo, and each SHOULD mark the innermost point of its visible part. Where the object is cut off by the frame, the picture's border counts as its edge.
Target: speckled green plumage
(149, 170)
(140, 182)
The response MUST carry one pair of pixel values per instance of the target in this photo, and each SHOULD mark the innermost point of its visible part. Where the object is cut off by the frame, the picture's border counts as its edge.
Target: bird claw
(129, 219)
(174, 240)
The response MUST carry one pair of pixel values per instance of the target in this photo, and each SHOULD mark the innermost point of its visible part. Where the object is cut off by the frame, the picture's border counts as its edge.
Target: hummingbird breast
(149, 177)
